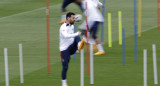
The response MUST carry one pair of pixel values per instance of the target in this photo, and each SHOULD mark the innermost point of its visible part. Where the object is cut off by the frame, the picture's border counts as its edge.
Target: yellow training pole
(109, 31)
(120, 26)
(139, 17)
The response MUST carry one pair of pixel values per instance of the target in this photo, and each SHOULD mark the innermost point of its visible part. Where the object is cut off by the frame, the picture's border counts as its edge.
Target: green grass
(24, 21)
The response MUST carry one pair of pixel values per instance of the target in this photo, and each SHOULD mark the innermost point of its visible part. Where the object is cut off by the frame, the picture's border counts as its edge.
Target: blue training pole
(135, 30)
(102, 24)
(123, 47)
(74, 55)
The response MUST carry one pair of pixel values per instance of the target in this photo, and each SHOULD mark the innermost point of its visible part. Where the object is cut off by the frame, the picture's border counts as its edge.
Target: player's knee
(65, 68)
(77, 38)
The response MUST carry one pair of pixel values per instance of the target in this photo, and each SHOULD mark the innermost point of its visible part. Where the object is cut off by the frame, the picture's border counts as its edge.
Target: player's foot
(62, 21)
(99, 53)
(81, 46)
(65, 85)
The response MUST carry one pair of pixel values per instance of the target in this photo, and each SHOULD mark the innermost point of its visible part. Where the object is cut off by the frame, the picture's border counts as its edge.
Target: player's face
(72, 19)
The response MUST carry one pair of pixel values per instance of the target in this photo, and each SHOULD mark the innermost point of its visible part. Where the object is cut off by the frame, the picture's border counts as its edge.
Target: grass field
(24, 21)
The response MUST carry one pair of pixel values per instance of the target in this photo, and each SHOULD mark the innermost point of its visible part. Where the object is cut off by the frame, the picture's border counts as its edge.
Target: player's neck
(67, 22)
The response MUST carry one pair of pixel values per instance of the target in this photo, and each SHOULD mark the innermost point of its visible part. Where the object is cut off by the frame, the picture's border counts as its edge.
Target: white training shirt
(98, 2)
(93, 13)
(66, 36)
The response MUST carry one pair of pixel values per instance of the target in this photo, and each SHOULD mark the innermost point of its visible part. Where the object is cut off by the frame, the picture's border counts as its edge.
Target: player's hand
(99, 7)
(79, 33)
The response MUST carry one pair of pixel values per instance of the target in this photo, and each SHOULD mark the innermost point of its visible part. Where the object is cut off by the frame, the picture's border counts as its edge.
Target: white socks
(63, 17)
(64, 82)
(100, 47)
(79, 44)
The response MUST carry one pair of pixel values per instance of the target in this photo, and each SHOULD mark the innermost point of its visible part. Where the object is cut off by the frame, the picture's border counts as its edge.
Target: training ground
(24, 21)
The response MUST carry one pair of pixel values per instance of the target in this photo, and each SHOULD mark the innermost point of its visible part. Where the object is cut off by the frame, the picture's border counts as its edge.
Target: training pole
(158, 14)
(6, 66)
(155, 64)
(87, 35)
(21, 64)
(82, 67)
(102, 24)
(145, 67)
(123, 47)
(91, 65)
(139, 17)
(48, 39)
(135, 30)
(120, 26)
(74, 55)
(109, 30)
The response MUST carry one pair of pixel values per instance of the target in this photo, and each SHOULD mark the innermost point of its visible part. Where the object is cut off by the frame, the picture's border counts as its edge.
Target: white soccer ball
(78, 17)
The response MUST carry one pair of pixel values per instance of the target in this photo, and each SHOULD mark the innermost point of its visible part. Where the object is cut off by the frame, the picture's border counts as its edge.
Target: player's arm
(68, 35)
(99, 3)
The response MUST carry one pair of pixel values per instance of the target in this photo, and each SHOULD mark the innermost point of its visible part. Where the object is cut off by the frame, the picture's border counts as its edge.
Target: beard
(72, 23)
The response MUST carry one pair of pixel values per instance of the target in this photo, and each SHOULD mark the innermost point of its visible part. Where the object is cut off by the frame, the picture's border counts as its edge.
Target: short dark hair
(69, 14)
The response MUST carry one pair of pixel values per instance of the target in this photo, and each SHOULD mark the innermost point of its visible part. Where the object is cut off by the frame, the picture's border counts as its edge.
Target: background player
(94, 18)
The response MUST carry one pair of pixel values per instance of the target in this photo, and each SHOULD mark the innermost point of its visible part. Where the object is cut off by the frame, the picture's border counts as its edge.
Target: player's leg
(64, 11)
(94, 30)
(65, 57)
(77, 45)
(79, 42)
(80, 6)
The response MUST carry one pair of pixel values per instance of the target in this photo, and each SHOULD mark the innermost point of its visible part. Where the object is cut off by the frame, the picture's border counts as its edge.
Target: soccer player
(99, 3)
(94, 18)
(64, 11)
(69, 43)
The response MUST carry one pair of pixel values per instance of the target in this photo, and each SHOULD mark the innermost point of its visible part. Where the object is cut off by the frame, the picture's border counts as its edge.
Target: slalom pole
(87, 35)
(123, 47)
(109, 30)
(139, 17)
(158, 14)
(102, 24)
(155, 64)
(145, 67)
(74, 55)
(48, 39)
(82, 67)
(135, 30)
(120, 26)
(6, 66)
(91, 65)
(21, 64)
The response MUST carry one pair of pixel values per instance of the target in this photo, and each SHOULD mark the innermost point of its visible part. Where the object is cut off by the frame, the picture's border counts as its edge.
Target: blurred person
(94, 18)
(69, 43)
(64, 11)
(99, 4)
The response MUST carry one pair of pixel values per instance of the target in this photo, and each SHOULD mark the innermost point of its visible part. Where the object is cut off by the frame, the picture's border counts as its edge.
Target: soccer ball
(78, 17)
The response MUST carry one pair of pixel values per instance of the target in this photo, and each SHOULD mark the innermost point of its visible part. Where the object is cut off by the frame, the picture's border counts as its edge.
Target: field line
(149, 28)
(26, 12)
